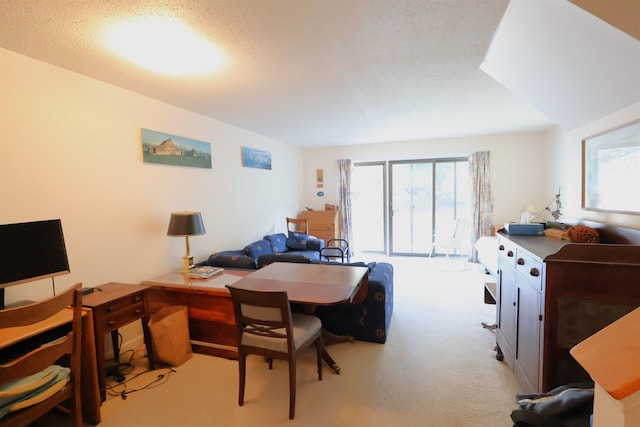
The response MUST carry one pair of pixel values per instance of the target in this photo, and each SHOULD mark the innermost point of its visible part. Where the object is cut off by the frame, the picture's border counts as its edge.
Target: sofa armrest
(382, 273)
(315, 244)
(370, 319)
(232, 259)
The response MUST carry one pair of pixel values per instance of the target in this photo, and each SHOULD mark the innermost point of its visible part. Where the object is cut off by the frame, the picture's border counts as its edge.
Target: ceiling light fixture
(164, 45)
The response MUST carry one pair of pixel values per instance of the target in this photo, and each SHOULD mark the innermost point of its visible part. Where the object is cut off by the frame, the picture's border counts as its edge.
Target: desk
(211, 319)
(115, 305)
(89, 374)
(311, 285)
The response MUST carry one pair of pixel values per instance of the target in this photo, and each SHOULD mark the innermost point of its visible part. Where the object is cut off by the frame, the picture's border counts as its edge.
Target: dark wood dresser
(553, 294)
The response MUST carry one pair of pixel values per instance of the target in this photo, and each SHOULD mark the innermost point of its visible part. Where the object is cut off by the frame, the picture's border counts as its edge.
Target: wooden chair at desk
(45, 355)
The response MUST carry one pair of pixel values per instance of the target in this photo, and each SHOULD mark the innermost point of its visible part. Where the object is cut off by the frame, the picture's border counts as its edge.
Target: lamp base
(187, 264)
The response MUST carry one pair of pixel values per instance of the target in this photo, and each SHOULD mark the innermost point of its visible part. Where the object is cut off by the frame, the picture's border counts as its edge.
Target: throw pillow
(255, 249)
(278, 242)
(297, 241)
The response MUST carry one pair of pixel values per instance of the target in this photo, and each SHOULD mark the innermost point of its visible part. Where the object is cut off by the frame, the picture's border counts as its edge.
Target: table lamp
(186, 224)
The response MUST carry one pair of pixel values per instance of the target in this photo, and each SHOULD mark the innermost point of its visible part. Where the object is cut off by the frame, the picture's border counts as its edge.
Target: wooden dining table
(311, 285)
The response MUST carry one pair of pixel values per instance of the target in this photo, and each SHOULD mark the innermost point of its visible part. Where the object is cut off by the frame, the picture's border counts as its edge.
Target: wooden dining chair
(265, 326)
(298, 225)
(33, 360)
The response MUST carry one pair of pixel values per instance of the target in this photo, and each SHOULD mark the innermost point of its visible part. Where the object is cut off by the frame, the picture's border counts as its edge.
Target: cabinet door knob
(111, 322)
(136, 299)
(534, 272)
(110, 308)
(510, 253)
(138, 312)
(520, 261)
(501, 247)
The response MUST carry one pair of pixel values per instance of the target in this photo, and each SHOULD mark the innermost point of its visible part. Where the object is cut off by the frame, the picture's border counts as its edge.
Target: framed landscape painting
(166, 149)
(252, 158)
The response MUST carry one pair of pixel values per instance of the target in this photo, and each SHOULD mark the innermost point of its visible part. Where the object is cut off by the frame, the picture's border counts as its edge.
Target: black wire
(111, 389)
(160, 380)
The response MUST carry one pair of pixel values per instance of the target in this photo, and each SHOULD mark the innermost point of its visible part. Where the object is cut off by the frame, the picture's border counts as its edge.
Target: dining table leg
(327, 339)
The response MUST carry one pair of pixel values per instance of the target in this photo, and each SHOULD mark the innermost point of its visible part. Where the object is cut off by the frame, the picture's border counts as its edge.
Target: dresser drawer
(120, 303)
(507, 251)
(530, 268)
(117, 319)
(325, 236)
(322, 227)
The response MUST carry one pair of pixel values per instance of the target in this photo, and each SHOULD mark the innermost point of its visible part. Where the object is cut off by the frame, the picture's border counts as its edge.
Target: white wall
(70, 148)
(520, 171)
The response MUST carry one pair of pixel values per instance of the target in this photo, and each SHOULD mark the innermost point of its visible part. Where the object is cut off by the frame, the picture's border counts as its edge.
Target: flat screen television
(31, 251)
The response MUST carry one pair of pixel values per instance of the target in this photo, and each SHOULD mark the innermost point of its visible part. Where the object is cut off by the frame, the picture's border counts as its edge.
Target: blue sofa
(369, 320)
(366, 321)
(296, 247)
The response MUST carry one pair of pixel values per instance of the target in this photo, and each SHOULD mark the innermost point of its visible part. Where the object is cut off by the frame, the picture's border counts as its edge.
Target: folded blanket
(33, 389)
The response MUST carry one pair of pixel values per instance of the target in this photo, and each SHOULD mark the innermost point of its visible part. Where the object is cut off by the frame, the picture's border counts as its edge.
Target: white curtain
(481, 200)
(346, 167)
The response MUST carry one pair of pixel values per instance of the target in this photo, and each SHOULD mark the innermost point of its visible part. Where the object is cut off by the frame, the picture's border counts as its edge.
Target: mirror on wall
(611, 170)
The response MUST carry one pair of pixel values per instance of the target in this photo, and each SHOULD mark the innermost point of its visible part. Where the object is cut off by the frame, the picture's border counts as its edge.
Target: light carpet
(437, 369)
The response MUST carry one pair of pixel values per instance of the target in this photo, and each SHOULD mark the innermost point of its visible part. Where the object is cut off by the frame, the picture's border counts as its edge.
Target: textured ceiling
(309, 73)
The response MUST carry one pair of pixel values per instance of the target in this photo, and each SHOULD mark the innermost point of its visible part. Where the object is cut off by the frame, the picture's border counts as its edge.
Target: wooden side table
(115, 305)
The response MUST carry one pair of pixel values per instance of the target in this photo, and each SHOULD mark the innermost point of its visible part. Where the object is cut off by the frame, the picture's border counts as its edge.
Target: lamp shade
(185, 224)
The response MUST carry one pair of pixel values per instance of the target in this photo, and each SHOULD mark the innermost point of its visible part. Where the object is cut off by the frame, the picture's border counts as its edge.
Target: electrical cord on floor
(120, 370)
(122, 390)
(127, 364)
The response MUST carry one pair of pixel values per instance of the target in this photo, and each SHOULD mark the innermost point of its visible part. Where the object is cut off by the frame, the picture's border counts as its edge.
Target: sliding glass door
(427, 196)
(402, 215)
(411, 207)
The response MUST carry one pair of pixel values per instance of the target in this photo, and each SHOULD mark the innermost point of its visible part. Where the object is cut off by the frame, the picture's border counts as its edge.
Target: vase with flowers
(555, 209)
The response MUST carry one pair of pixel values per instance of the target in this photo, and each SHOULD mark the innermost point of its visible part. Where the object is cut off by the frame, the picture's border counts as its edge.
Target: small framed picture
(252, 158)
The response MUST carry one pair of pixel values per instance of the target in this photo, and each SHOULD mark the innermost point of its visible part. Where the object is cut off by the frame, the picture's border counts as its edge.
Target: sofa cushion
(278, 242)
(232, 259)
(255, 249)
(312, 255)
(267, 259)
(298, 241)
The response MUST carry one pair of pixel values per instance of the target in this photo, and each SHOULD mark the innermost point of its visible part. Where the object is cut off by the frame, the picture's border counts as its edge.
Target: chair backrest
(264, 314)
(459, 231)
(298, 225)
(34, 360)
